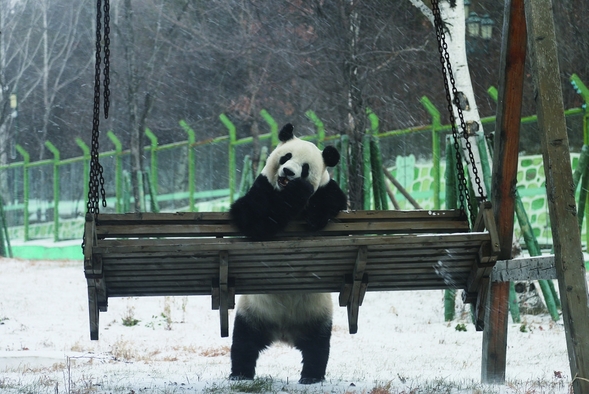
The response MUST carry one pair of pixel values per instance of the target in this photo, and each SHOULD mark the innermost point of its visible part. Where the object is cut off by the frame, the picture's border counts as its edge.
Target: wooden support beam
(487, 254)
(354, 289)
(224, 292)
(478, 283)
(93, 310)
(560, 191)
(524, 269)
(512, 64)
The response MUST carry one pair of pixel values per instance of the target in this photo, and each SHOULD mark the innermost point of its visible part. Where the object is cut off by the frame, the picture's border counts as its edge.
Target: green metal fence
(47, 199)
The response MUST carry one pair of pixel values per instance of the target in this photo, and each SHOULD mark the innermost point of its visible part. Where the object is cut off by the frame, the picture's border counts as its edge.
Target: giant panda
(294, 183)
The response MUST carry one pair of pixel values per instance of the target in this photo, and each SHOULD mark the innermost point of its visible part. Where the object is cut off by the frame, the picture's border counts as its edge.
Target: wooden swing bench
(182, 254)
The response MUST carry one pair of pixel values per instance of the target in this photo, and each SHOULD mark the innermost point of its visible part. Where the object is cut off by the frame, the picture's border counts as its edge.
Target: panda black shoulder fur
(293, 184)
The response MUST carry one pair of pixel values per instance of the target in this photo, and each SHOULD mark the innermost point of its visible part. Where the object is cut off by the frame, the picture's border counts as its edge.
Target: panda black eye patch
(285, 158)
(305, 172)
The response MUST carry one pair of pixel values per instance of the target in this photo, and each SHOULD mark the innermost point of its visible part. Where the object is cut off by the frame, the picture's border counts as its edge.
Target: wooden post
(560, 189)
(513, 55)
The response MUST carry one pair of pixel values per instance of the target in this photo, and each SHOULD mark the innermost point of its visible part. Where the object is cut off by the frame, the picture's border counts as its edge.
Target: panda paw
(310, 380)
(297, 193)
(316, 223)
(239, 377)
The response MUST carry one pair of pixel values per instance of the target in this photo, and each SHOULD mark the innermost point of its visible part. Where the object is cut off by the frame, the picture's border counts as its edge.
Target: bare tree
(18, 51)
(61, 34)
(145, 72)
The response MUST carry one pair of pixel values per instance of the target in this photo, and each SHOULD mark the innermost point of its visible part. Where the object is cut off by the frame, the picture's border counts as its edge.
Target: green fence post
(153, 175)
(246, 176)
(451, 203)
(5, 249)
(378, 173)
(191, 164)
(126, 196)
(582, 194)
(534, 250)
(273, 127)
(56, 157)
(493, 93)
(582, 90)
(378, 181)
(436, 125)
(513, 304)
(343, 172)
(232, 155)
(486, 168)
(86, 161)
(485, 162)
(366, 166)
(154, 205)
(118, 171)
(581, 166)
(319, 126)
(26, 161)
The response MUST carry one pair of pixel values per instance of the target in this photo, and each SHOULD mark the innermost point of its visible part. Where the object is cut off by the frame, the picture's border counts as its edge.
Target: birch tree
(452, 13)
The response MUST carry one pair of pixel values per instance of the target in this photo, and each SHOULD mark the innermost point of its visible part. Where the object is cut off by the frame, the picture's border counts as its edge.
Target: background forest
(193, 60)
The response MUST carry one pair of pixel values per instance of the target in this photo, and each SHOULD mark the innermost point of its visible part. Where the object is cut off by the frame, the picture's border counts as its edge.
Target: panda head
(295, 158)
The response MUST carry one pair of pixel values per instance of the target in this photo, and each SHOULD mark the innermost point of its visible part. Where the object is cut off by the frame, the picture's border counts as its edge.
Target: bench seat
(182, 254)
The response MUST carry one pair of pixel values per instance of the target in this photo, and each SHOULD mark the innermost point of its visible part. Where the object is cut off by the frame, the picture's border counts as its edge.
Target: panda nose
(288, 172)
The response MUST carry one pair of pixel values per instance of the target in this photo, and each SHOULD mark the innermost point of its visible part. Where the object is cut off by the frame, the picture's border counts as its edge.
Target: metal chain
(464, 194)
(96, 183)
(106, 57)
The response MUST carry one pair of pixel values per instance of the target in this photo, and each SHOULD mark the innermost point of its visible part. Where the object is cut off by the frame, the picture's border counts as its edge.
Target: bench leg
(224, 293)
(354, 288)
(94, 311)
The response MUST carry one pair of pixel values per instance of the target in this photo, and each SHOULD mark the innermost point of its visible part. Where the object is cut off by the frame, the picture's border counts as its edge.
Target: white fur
(287, 311)
(302, 152)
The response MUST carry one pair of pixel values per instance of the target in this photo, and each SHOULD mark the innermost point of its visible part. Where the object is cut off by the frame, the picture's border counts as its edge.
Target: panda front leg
(314, 347)
(248, 341)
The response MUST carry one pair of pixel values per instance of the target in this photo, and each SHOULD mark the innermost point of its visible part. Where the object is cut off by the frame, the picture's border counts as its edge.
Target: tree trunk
(136, 124)
(356, 113)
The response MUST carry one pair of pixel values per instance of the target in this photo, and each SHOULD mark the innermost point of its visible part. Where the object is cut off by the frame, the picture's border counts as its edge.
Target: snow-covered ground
(403, 345)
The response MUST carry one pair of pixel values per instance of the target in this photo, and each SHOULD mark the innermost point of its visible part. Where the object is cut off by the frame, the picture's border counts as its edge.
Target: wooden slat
(218, 224)
(106, 219)
(191, 245)
(394, 284)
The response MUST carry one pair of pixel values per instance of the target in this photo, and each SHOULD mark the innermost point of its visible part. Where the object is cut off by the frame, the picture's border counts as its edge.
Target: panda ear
(286, 133)
(330, 156)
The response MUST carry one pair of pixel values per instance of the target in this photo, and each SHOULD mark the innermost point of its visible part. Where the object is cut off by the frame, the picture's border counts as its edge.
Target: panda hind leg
(315, 350)
(248, 341)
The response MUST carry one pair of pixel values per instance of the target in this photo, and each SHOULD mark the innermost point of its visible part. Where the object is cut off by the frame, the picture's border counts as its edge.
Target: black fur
(286, 133)
(264, 211)
(248, 342)
(324, 205)
(251, 336)
(330, 156)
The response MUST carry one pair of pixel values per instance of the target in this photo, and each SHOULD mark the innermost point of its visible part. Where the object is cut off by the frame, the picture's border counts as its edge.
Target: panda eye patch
(285, 158)
(305, 171)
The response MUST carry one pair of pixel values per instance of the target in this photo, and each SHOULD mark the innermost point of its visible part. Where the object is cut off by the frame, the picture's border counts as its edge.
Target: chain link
(463, 192)
(96, 183)
(106, 57)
